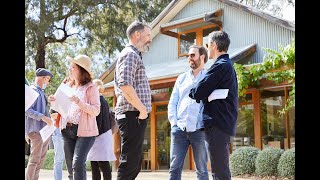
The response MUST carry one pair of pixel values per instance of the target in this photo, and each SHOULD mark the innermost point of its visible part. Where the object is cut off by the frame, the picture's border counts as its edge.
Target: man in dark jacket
(219, 115)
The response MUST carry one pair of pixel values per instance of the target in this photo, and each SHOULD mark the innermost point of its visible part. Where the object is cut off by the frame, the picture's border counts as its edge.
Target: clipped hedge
(242, 160)
(286, 165)
(267, 161)
(49, 162)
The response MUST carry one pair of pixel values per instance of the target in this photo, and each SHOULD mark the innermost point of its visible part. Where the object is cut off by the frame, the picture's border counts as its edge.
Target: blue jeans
(180, 141)
(58, 154)
(76, 150)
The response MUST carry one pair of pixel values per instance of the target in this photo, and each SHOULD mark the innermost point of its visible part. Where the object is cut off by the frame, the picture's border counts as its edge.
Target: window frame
(199, 36)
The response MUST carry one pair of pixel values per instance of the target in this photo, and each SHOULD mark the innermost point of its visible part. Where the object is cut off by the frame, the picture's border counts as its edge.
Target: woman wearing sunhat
(81, 128)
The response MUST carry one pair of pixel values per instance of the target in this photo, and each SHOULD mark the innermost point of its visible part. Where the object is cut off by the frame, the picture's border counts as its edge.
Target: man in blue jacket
(36, 117)
(220, 115)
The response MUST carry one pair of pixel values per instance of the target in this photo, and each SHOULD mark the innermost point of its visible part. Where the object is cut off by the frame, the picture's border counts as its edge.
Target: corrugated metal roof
(174, 68)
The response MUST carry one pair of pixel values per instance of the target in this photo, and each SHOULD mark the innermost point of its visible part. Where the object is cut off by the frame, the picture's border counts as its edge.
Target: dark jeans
(218, 147)
(104, 166)
(76, 150)
(132, 135)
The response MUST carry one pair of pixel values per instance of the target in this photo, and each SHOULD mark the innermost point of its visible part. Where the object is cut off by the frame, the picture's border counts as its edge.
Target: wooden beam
(162, 83)
(286, 95)
(153, 135)
(257, 119)
(215, 14)
(170, 33)
(195, 21)
(214, 21)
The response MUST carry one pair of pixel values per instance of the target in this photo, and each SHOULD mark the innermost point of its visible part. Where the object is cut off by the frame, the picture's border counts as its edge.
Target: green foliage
(49, 162)
(267, 161)
(99, 26)
(242, 160)
(286, 165)
(274, 60)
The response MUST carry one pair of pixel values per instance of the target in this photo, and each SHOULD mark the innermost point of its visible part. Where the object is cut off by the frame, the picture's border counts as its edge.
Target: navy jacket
(221, 113)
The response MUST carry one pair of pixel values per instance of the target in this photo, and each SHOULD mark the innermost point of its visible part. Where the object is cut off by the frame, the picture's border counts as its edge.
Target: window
(196, 36)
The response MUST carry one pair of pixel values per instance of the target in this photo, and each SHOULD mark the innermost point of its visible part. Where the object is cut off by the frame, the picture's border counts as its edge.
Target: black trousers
(104, 166)
(132, 135)
(219, 149)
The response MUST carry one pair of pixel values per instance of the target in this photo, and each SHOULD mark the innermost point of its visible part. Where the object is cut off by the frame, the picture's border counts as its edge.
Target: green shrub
(49, 162)
(286, 165)
(267, 161)
(242, 160)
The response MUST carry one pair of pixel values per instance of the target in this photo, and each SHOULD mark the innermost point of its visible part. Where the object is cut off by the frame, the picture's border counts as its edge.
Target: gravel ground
(159, 175)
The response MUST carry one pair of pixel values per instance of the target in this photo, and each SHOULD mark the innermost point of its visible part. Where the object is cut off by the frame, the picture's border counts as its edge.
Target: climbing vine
(277, 66)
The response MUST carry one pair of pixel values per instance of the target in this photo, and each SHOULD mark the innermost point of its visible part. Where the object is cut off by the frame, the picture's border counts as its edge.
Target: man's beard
(196, 64)
(145, 47)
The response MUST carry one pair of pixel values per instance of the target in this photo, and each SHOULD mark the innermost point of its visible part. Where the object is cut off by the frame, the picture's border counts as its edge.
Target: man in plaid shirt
(133, 99)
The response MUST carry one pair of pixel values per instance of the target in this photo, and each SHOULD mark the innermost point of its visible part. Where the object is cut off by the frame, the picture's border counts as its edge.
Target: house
(186, 22)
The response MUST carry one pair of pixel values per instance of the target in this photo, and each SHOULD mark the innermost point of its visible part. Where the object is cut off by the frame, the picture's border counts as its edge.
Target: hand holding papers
(218, 94)
(46, 132)
(62, 102)
(30, 96)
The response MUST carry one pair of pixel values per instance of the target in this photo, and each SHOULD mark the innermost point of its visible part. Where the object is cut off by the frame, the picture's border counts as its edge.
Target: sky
(289, 13)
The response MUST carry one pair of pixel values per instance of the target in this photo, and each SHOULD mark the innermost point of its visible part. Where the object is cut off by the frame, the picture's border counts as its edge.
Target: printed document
(46, 132)
(30, 96)
(62, 103)
(218, 94)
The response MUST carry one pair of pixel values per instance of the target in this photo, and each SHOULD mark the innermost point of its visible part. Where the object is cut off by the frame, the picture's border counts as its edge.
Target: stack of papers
(62, 102)
(30, 96)
(218, 94)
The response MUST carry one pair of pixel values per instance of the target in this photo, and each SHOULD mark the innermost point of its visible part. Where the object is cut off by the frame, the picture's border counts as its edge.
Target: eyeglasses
(190, 55)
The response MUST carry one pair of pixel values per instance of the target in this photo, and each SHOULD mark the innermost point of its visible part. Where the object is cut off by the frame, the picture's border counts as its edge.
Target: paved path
(159, 175)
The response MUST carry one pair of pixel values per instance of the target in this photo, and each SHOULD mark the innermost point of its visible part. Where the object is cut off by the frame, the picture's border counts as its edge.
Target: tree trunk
(40, 57)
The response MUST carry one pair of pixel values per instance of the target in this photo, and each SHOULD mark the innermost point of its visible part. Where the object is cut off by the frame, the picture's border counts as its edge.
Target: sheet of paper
(218, 94)
(46, 132)
(62, 103)
(30, 96)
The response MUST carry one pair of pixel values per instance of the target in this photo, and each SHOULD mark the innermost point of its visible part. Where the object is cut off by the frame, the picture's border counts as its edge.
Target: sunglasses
(207, 44)
(190, 55)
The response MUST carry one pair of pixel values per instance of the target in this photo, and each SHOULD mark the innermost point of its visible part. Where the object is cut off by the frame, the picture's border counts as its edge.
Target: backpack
(114, 124)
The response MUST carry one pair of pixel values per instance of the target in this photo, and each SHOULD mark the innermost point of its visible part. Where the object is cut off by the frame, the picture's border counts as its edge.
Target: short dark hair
(202, 51)
(221, 38)
(136, 26)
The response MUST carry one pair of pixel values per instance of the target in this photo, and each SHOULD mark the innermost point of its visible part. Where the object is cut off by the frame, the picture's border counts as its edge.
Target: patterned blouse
(74, 111)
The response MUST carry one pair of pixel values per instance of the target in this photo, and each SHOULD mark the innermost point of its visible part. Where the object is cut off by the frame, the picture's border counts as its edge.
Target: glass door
(163, 130)
(245, 123)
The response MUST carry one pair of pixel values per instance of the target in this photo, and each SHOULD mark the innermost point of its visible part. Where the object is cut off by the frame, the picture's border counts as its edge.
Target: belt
(71, 124)
(201, 129)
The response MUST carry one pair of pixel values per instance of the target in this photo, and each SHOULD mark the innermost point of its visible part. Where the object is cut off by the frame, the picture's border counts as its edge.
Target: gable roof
(175, 6)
